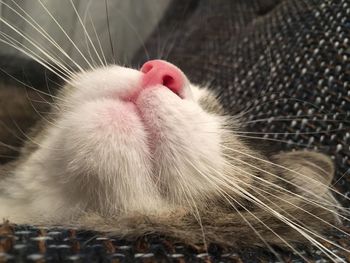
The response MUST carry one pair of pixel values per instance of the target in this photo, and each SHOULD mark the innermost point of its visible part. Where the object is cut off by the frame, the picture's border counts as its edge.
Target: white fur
(107, 155)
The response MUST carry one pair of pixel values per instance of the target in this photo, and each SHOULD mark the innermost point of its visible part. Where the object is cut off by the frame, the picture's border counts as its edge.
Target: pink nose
(163, 73)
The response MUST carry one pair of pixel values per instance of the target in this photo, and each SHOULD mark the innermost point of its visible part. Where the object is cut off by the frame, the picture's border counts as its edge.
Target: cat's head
(120, 142)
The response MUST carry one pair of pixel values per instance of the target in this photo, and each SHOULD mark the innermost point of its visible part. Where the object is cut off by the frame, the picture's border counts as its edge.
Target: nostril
(146, 68)
(168, 81)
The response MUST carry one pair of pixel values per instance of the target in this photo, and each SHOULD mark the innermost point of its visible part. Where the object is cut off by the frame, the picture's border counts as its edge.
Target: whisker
(299, 207)
(98, 39)
(257, 232)
(29, 138)
(32, 88)
(196, 214)
(35, 25)
(39, 114)
(282, 190)
(289, 142)
(65, 33)
(85, 32)
(252, 107)
(341, 177)
(89, 52)
(109, 32)
(162, 52)
(49, 90)
(62, 68)
(263, 138)
(273, 119)
(227, 197)
(281, 178)
(282, 167)
(291, 133)
(43, 99)
(6, 127)
(8, 156)
(132, 27)
(290, 223)
(32, 55)
(276, 187)
(11, 147)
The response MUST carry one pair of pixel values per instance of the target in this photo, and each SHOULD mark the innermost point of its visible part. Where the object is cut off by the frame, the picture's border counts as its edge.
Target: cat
(135, 151)
(130, 152)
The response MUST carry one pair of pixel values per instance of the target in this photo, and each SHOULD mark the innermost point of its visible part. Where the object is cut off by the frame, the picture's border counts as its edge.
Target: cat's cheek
(105, 117)
(104, 131)
(105, 83)
(104, 157)
(186, 143)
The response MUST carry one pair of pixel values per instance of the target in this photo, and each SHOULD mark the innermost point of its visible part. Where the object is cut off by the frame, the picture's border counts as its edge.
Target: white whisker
(186, 192)
(39, 114)
(139, 38)
(284, 168)
(279, 188)
(33, 56)
(62, 69)
(257, 190)
(32, 88)
(223, 181)
(65, 33)
(98, 41)
(35, 25)
(86, 33)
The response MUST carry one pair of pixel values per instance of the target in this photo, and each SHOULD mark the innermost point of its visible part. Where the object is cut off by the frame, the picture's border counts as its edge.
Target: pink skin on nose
(163, 73)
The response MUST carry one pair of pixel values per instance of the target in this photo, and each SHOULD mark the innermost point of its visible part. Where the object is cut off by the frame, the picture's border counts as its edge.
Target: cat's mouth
(161, 85)
(153, 114)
